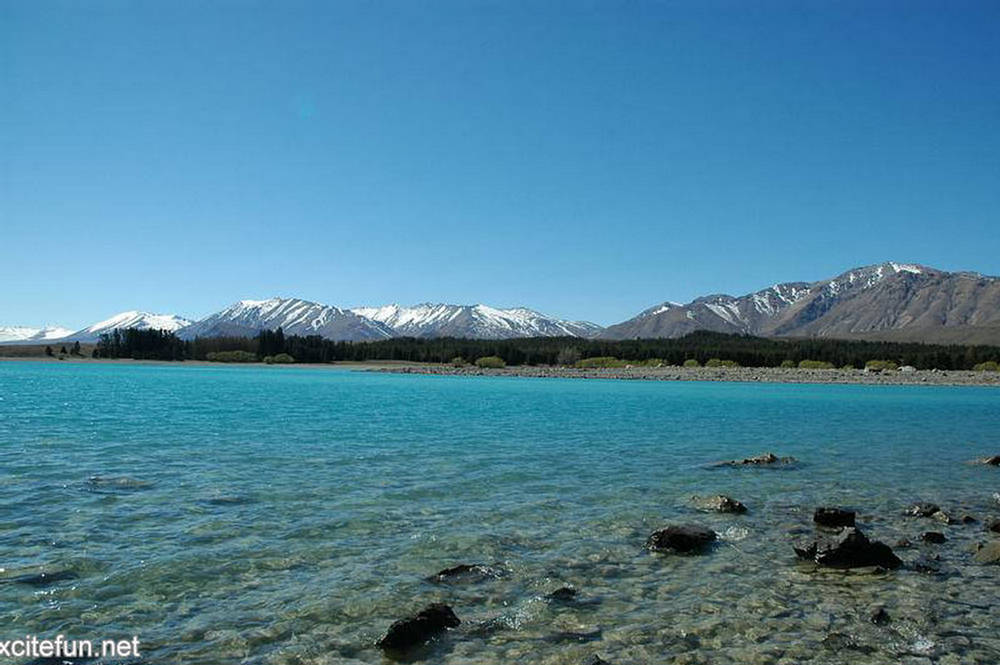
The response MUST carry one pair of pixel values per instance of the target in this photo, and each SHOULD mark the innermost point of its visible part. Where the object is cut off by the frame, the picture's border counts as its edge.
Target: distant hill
(889, 301)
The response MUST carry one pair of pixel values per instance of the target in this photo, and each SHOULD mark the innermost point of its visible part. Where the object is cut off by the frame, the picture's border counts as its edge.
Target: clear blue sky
(584, 159)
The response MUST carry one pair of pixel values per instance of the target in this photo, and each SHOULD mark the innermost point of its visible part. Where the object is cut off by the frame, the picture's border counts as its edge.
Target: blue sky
(585, 159)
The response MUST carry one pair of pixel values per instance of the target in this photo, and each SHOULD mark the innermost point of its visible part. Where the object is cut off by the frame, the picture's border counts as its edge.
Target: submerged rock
(467, 573)
(563, 594)
(681, 538)
(988, 553)
(834, 517)
(935, 537)
(993, 525)
(575, 636)
(44, 579)
(116, 484)
(927, 564)
(843, 642)
(848, 549)
(596, 660)
(720, 503)
(419, 629)
(766, 459)
(879, 616)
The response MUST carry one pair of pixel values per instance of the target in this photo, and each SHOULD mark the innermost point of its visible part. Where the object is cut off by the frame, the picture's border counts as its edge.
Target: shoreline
(933, 377)
(730, 374)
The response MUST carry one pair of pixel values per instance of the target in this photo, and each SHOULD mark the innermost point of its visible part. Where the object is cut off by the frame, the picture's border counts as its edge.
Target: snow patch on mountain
(473, 321)
(29, 334)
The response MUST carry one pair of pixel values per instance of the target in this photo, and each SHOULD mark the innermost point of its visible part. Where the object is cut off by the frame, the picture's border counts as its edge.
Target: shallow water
(288, 515)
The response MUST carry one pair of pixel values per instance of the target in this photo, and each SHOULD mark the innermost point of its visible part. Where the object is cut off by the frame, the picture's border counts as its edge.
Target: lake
(287, 515)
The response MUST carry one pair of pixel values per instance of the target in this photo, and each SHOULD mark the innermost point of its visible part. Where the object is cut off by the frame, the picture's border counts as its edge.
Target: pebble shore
(743, 374)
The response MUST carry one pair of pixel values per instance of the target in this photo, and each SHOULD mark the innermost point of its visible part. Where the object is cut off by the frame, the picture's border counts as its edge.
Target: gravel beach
(744, 374)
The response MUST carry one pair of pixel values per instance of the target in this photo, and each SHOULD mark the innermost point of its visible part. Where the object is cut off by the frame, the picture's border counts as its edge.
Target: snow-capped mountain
(294, 316)
(473, 321)
(25, 334)
(130, 319)
(888, 300)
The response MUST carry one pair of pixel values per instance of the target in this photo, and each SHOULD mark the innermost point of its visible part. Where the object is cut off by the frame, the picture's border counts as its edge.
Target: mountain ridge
(889, 300)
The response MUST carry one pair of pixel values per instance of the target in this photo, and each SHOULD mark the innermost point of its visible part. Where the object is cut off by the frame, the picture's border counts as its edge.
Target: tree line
(700, 346)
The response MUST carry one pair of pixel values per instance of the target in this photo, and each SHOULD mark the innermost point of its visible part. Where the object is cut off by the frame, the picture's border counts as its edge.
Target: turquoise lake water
(289, 515)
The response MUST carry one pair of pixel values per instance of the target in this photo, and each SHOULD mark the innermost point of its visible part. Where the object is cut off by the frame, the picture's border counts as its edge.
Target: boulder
(720, 503)
(993, 525)
(833, 517)
(922, 510)
(766, 459)
(988, 553)
(991, 461)
(935, 537)
(466, 573)
(848, 549)
(681, 539)
(419, 629)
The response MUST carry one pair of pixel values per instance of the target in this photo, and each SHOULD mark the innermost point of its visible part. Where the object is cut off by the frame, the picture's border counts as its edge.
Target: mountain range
(891, 301)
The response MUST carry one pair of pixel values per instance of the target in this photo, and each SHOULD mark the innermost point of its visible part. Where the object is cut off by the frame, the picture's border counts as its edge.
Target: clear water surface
(288, 515)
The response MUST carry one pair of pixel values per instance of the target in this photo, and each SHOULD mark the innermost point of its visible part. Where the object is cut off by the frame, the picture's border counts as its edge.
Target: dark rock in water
(991, 461)
(466, 573)
(682, 538)
(414, 631)
(879, 616)
(834, 517)
(968, 519)
(596, 660)
(563, 594)
(767, 459)
(575, 636)
(922, 509)
(719, 503)
(993, 525)
(927, 564)
(44, 579)
(988, 553)
(848, 549)
(935, 537)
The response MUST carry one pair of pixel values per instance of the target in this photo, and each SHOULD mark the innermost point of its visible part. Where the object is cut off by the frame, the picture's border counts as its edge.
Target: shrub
(788, 364)
(458, 361)
(691, 362)
(279, 359)
(881, 365)
(849, 366)
(988, 366)
(815, 364)
(231, 357)
(490, 362)
(600, 361)
(716, 362)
